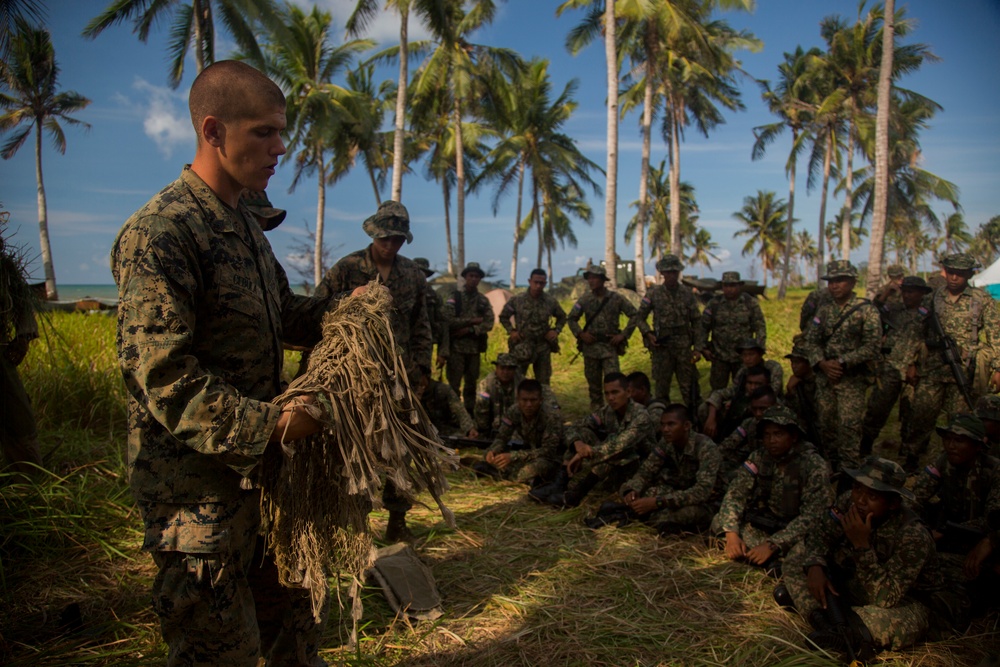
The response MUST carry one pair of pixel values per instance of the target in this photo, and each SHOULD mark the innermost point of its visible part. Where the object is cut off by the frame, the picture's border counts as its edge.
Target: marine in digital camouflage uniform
(736, 447)
(496, 393)
(678, 481)
(470, 318)
(883, 571)
(444, 407)
(533, 321)
(725, 408)
(600, 339)
(676, 328)
(800, 394)
(768, 505)
(539, 433)
(812, 302)
(970, 316)
(988, 410)
(729, 319)
(842, 343)
(435, 311)
(751, 353)
(203, 309)
(640, 391)
(898, 317)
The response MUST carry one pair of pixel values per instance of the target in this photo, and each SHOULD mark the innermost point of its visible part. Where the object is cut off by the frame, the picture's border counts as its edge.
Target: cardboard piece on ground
(407, 582)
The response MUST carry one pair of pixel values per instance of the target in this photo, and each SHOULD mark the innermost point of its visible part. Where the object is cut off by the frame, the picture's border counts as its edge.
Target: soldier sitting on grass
(736, 447)
(444, 407)
(496, 393)
(770, 502)
(640, 390)
(726, 408)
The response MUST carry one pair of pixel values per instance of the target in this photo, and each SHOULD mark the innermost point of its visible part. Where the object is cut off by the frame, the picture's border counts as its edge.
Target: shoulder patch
(708, 311)
(922, 310)
(659, 452)
(596, 418)
(507, 421)
(576, 306)
(933, 472)
(484, 394)
(646, 300)
(750, 467)
(742, 431)
(816, 320)
(451, 300)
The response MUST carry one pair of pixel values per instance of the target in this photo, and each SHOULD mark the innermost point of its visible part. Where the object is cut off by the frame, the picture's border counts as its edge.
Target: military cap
(840, 268)
(391, 219)
(424, 265)
(916, 282)
(966, 425)
(598, 271)
(473, 267)
(782, 415)
(506, 359)
(895, 271)
(883, 475)
(750, 344)
(961, 261)
(988, 407)
(669, 263)
(260, 205)
(731, 278)
(798, 352)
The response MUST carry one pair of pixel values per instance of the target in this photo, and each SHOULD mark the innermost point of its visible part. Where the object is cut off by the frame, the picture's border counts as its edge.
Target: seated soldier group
(882, 565)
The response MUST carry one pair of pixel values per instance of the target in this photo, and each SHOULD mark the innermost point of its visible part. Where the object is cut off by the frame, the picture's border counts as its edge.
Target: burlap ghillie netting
(317, 492)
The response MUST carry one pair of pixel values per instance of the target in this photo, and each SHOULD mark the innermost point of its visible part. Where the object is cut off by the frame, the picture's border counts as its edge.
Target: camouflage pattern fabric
(617, 441)
(437, 319)
(811, 305)
(533, 318)
(493, 399)
(683, 482)
(464, 356)
(445, 409)
(736, 447)
(595, 369)
(791, 489)
(406, 283)
(18, 430)
(725, 324)
(802, 401)
(599, 357)
(945, 492)
(856, 342)
(544, 435)
(677, 325)
(882, 583)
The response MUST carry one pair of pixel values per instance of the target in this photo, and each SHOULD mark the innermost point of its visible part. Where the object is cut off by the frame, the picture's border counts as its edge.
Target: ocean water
(76, 292)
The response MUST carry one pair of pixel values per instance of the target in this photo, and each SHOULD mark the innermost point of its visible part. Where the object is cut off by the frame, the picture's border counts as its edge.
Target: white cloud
(83, 267)
(164, 115)
(384, 28)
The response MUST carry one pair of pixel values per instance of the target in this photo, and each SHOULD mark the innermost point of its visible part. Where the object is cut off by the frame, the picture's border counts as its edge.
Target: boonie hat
(260, 205)
(731, 278)
(966, 425)
(391, 219)
(781, 415)
(840, 268)
(961, 261)
(895, 271)
(988, 407)
(473, 267)
(669, 263)
(424, 265)
(882, 475)
(597, 270)
(916, 282)
(750, 344)
(506, 359)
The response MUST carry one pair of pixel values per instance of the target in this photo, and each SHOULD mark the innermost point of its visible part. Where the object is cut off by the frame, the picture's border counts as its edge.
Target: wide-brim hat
(424, 265)
(782, 416)
(916, 283)
(260, 206)
(506, 359)
(988, 407)
(391, 219)
(840, 268)
(961, 261)
(669, 263)
(731, 278)
(966, 425)
(750, 344)
(598, 271)
(882, 475)
(473, 267)
(895, 271)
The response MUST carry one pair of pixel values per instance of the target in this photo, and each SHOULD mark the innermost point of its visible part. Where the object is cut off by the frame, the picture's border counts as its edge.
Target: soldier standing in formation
(533, 321)
(676, 328)
(470, 318)
(435, 312)
(729, 319)
(600, 340)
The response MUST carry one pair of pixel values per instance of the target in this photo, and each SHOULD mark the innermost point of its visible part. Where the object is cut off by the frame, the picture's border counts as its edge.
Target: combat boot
(557, 485)
(397, 530)
(783, 597)
(574, 494)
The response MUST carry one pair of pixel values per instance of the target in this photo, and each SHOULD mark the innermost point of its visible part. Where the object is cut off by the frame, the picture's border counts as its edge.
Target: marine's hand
(643, 505)
(819, 585)
(710, 426)
(516, 337)
(295, 422)
(911, 374)
(995, 382)
(583, 450)
(500, 461)
(617, 340)
(974, 561)
(629, 497)
(651, 339)
(473, 433)
(551, 335)
(707, 353)
(587, 338)
(857, 528)
(735, 546)
(793, 382)
(441, 361)
(761, 553)
(832, 369)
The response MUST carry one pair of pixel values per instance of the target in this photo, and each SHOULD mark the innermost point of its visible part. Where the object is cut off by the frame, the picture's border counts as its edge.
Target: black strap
(843, 318)
(591, 318)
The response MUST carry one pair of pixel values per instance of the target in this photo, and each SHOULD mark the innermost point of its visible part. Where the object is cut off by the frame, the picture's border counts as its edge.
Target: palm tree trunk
(320, 221)
(881, 152)
(640, 231)
(675, 183)
(845, 225)
(398, 135)
(517, 222)
(536, 213)
(827, 158)
(197, 16)
(447, 225)
(611, 191)
(459, 184)
(548, 254)
(43, 222)
(783, 284)
(371, 177)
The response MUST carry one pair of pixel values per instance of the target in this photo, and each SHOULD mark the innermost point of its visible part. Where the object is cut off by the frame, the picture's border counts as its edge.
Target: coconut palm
(12, 11)
(955, 233)
(194, 28)
(765, 218)
(658, 212)
(32, 102)
(702, 247)
(804, 249)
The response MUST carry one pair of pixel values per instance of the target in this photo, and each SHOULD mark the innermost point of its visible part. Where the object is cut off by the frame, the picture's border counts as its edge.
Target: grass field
(522, 584)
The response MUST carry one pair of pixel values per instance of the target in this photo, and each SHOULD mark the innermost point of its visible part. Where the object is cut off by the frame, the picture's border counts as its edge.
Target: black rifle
(952, 356)
(586, 325)
(459, 442)
(769, 523)
(837, 615)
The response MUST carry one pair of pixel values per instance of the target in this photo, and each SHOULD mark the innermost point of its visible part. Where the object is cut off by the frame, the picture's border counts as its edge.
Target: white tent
(989, 279)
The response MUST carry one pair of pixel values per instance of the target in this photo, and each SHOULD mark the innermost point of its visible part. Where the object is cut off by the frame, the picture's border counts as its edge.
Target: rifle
(586, 325)
(769, 523)
(838, 619)
(458, 442)
(952, 356)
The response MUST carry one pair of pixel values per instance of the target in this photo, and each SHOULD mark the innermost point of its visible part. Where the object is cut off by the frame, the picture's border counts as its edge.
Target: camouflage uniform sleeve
(421, 341)
(886, 583)
(486, 312)
(647, 472)
(709, 461)
(816, 498)
(707, 324)
(628, 438)
(738, 495)
(584, 429)
(823, 534)
(719, 397)
(156, 329)
(559, 314)
(926, 487)
(639, 319)
(757, 322)
(334, 282)
(991, 331)
(483, 409)
(505, 433)
(300, 315)
(812, 341)
(506, 313)
(809, 307)
(551, 442)
(629, 311)
(733, 443)
(694, 317)
(458, 412)
(871, 338)
(573, 319)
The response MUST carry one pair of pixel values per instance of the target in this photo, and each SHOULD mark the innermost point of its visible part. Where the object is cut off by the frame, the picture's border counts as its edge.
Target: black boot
(484, 469)
(783, 597)
(396, 530)
(557, 485)
(575, 493)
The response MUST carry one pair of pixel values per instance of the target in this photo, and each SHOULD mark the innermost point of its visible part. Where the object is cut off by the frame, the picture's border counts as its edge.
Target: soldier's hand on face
(832, 369)
(643, 506)
(710, 426)
(736, 548)
(793, 382)
(819, 585)
(974, 561)
(761, 553)
(295, 421)
(857, 528)
(516, 337)
(473, 433)
(629, 497)
(587, 338)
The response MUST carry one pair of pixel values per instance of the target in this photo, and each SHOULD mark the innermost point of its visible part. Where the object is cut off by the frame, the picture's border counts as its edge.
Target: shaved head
(231, 90)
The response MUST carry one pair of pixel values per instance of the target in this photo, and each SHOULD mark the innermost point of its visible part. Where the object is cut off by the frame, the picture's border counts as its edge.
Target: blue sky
(140, 137)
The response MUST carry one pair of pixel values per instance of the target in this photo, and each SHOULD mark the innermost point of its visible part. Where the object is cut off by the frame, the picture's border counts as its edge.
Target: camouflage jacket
(967, 497)
(494, 399)
(203, 309)
(604, 326)
(623, 439)
(736, 447)
(678, 478)
(729, 323)
(437, 319)
(461, 308)
(409, 319)
(973, 321)
(901, 561)
(676, 321)
(793, 490)
(544, 435)
(720, 397)
(811, 305)
(802, 400)
(446, 410)
(532, 318)
(903, 334)
(856, 341)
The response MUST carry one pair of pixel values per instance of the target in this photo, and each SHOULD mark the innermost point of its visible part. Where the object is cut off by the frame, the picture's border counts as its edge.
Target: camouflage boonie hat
(916, 282)
(598, 271)
(781, 415)
(966, 425)
(506, 359)
(424, 265)
(961, 261)
(473, 267)
(895, 271)
(731, 278)
(260, 205)
(391, 219)
(988, 407)
(798, 348)
(840, 268)
(750, 344)
(883, 475)
(669, 263)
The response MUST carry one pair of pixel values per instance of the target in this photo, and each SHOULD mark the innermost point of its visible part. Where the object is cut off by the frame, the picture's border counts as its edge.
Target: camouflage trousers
(463, 366)
(751, 535)
(896, 627)
(527, 470)
(841, 408)
(930, 397)
(594, 369)
(888, 388)
(217, 593)
(18, 435)
(722, 372)
(668, 362)
(691, 516)
(541, 361)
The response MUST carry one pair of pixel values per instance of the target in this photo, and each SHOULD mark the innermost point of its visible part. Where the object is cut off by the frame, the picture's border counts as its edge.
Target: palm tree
(804, 249)
(31, 75)
(11, 11)
(658, 211)
(765, 218)
(956, 236)
(369, 140)
(193, 26)
(702, 247)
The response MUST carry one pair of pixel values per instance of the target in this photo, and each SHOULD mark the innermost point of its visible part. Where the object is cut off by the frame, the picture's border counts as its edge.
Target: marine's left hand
(857, 528)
